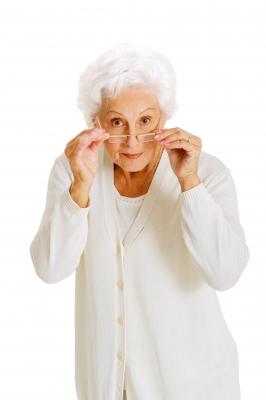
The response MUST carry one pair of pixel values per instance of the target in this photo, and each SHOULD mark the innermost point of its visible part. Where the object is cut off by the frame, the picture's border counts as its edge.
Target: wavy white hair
(124, 65)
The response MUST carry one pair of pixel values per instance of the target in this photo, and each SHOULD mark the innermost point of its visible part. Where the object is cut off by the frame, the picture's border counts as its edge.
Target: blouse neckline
(126, 199)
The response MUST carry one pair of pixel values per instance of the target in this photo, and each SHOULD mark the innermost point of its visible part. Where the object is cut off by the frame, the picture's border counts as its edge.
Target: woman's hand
(183, 155)
(82, 153)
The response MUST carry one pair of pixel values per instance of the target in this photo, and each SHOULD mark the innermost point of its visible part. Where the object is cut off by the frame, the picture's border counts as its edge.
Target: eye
(114, 120)
(146, 118)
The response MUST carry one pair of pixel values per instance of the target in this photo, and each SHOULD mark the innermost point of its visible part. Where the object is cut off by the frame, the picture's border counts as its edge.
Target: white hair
(125, 65)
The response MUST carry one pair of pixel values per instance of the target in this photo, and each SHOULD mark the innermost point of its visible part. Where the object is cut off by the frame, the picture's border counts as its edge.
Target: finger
(181, 134)
(94, 146)
(169, 130)
(192, 138)
(166, 132)
(85, 133)
(171, 137)
(180, 144)
(93, 137)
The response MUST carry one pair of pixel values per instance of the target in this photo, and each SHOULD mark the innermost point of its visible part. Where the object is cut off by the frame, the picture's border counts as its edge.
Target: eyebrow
(149, 108)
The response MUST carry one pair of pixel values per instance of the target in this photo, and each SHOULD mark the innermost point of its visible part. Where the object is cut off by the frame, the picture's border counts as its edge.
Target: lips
(132, 156)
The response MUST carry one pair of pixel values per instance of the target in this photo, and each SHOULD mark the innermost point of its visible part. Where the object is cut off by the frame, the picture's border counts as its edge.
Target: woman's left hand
(183, 154)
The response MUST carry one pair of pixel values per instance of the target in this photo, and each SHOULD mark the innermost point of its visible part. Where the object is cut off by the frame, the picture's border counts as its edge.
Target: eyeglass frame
(140, 134)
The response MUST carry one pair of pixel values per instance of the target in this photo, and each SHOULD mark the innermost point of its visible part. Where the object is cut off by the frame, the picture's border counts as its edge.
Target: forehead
(131, 102)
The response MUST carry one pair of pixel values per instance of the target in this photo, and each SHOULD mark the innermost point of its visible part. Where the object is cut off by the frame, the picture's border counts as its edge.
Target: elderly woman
(150, 225)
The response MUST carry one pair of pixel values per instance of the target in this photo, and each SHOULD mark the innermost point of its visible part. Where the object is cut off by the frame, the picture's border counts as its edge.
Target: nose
(132, 139)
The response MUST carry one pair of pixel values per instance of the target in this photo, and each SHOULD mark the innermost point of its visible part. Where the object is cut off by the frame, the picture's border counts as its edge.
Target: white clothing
(127, 210)
(146, 302)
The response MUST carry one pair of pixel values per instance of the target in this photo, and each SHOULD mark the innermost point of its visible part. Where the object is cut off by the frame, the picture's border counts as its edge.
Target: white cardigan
(147, 305)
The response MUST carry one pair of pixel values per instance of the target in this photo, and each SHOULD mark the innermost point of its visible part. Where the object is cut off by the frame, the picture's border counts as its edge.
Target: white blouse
(127, 208)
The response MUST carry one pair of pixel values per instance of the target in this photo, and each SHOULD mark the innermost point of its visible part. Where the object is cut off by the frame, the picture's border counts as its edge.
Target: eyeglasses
(142, 137)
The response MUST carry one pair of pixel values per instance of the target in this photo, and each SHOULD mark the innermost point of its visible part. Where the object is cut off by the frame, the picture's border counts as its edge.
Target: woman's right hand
(82, 154)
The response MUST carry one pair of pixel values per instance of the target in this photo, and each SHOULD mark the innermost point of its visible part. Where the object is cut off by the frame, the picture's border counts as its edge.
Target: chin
(132, 165)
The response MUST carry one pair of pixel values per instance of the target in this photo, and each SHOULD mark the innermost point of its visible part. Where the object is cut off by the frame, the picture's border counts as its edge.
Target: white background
(219, 53)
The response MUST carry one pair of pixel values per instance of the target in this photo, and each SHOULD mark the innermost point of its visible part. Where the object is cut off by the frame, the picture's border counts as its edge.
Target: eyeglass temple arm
(98, 120)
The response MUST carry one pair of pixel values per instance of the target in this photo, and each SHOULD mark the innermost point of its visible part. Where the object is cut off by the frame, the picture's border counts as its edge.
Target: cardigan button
(120, 284)
(120, 320)
(119, 356)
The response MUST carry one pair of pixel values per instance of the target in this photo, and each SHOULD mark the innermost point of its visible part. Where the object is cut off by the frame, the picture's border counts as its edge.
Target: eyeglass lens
(118, 136)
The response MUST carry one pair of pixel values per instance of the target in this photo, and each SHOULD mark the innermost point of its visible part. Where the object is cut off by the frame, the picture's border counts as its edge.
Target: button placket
(120, 321)
(119, 284)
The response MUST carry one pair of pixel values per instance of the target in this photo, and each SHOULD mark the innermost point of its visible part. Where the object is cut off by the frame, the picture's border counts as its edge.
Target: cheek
(112, 150)
(153, 148)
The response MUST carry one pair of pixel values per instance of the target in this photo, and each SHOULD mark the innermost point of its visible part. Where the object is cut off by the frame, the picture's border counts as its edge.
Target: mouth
(132, 156)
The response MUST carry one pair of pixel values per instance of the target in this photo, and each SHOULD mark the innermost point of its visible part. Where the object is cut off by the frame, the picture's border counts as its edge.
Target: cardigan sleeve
(212, 231)
(60, 239)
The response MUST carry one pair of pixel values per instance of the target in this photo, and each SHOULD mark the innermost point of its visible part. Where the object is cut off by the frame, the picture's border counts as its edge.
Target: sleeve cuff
(72, 206)
(194, 192)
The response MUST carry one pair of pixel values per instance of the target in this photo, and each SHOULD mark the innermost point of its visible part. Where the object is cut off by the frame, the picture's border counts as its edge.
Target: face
(132, 112)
